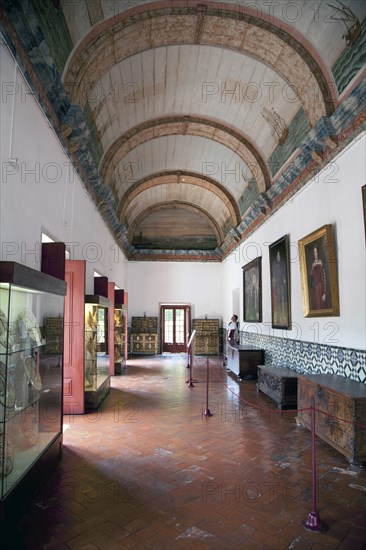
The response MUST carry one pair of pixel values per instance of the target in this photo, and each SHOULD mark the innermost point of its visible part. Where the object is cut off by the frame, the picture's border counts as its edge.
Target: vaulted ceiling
(190, 122)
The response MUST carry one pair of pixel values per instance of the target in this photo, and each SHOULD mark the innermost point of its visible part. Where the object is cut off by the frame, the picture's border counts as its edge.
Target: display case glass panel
(119, 333)
(30, 378)
(96, 346)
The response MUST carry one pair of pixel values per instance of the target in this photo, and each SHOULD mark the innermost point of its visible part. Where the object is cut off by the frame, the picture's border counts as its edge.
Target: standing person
(233, 330)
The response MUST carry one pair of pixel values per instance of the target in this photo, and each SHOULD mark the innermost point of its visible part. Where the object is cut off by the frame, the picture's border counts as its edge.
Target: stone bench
(280, 384)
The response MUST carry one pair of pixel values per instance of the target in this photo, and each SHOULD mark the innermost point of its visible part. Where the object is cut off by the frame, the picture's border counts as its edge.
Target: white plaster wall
(42, 192)
(334, 197)
(152, 283)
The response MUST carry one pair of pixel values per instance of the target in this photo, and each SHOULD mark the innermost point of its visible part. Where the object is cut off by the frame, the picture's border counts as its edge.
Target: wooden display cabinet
(144, 343)
(144, 335)
(340, 405)
(207, 340)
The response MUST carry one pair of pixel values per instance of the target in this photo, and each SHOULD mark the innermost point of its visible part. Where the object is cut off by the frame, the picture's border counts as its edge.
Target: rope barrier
(290, 410)
(254, 405)
(313, 521)
(203, 364)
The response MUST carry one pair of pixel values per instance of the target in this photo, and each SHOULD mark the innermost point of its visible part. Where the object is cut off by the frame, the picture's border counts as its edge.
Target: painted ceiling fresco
(191, 122)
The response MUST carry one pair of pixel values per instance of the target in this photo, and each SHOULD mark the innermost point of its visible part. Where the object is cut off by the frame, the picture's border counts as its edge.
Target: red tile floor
(148, 470)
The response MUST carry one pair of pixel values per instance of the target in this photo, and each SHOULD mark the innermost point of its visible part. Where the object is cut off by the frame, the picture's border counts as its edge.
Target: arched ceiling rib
(182, 152)
(210, 83)
(234, 28)
(191, 122)
(228, 204)
(191, 125)
(198, 107)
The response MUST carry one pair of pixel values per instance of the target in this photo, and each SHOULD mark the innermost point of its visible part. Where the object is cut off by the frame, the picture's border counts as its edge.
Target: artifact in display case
(31, 381)
(97, 378)
(91, 324)
(119, 337)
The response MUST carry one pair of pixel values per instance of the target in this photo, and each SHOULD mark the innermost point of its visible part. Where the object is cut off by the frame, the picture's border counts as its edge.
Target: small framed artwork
(252, 291)
(279, 264)
(318, 268)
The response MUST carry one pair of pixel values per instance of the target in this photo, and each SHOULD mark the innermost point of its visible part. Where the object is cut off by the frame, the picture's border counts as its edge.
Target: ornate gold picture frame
(318, 268)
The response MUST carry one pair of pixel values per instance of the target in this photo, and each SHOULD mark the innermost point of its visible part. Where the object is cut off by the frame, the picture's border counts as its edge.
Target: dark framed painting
(279, 264)
(364, 206)
(252, 291)
(318, 268)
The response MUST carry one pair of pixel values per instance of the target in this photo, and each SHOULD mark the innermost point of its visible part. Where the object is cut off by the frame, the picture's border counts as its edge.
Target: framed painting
(252, 291)
(364, 206)
(318, 268)
(279, 264)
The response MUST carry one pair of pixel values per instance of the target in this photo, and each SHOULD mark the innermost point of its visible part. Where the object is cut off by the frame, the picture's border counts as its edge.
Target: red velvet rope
(287, 411)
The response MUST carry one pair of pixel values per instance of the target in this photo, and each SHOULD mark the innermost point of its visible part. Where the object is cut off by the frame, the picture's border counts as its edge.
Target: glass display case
(31, 377)
(97, 377)
(119, 337)
(120, 330)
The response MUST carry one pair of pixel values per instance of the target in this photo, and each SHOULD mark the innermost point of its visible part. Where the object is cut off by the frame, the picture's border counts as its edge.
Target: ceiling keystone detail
(191, 122)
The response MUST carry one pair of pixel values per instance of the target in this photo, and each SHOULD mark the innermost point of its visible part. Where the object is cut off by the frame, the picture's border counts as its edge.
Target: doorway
(175, 327)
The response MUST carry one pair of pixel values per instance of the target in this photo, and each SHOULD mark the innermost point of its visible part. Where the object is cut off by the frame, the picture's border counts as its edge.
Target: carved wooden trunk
(340, 411)
(144, 343)
(244, 360)
(280, 384)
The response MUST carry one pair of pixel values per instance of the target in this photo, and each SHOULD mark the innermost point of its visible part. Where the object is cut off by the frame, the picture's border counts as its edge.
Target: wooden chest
(144, 335)
(243, 360)
(340, 405)
(280, 384)
(144, 343)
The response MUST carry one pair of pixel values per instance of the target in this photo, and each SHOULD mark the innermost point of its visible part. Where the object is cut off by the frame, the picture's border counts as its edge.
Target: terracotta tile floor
(147, 470)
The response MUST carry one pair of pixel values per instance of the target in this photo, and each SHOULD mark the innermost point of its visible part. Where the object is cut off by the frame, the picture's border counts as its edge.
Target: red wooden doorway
(175, 323)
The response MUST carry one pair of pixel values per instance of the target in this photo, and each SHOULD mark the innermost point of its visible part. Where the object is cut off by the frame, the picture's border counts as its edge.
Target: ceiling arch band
(188, 125)
(240, 29)
(212, 203)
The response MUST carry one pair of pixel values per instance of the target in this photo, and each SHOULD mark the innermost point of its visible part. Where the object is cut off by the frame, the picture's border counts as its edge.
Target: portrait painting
(252, 291)
(279, 263)
(364, 206)
(318, 269)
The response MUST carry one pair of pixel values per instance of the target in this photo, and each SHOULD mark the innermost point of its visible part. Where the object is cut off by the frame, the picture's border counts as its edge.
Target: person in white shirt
(233, 330)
